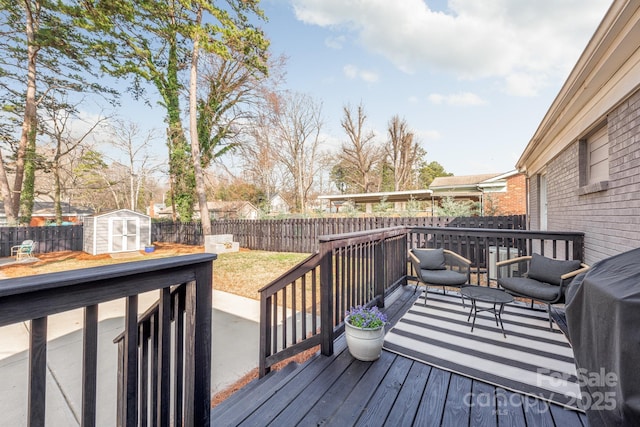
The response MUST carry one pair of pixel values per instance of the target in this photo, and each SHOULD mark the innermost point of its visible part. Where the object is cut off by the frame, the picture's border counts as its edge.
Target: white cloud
(335, 42)
(353, 72)
(462, 99)
(521, 42)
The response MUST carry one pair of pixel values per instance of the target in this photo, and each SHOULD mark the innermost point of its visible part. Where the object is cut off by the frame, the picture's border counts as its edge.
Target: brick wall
(610, 219)
(514, 200)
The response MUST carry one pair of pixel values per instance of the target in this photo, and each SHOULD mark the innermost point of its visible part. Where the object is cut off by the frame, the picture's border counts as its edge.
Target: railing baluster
(178, 389)
(89, 365)
(294, 315)
(164, 355)
(153, 369)
(143, 339)
(37, 372)
(130, 372)
(314, 301)
(284, 318)
(303, 307)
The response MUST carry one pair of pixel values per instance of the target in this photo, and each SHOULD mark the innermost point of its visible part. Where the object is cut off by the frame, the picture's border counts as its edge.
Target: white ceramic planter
(364, 344)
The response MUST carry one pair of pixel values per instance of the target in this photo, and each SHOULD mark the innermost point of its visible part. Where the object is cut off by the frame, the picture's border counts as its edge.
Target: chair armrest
(513, 260)
(414, 260)
(582, 269)
(458, 257)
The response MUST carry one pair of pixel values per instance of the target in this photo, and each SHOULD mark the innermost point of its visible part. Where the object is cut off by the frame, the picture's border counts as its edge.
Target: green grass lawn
(244, 273)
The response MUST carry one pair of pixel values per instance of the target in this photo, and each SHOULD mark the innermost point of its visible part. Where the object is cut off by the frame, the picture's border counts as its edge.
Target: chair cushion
(431, 259)
(532, 288)
(549, 270)
(443, 277)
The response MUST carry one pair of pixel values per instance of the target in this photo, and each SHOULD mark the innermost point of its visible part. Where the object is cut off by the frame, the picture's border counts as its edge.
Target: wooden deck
(394, 391)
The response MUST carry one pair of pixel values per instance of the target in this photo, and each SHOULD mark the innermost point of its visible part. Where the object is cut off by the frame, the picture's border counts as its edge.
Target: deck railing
(184, 283)
(306, 306)
(485, 247)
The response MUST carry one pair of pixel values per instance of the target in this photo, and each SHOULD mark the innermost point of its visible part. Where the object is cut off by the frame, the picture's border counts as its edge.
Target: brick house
(497, 194)
(583, 162)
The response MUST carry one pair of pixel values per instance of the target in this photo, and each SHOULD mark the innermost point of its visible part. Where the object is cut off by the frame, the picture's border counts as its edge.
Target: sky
(473, 79)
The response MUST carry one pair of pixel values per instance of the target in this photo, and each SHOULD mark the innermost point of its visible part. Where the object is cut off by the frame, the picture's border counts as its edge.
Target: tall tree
(129, 139)
(360, 155)
(243, 48)
(403, 154)
(297, 120)
(41, 52)
(259, 157)
(64, 141)
(430, 171)
(142, 40)
(155, 39)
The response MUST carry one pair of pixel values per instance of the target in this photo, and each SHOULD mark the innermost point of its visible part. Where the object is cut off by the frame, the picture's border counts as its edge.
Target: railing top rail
(295, 272)
(490, 232)
(58, 280)
(366, 235)
(42, 295)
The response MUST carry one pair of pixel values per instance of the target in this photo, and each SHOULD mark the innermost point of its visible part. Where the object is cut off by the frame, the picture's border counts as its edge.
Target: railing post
(198, 348)
(265, 334)
(326, 299)
(379, 258)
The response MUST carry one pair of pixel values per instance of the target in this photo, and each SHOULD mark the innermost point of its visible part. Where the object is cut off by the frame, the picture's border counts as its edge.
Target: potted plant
(364, 330)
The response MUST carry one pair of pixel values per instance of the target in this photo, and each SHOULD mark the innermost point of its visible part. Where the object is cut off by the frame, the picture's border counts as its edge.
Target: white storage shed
(119, 231)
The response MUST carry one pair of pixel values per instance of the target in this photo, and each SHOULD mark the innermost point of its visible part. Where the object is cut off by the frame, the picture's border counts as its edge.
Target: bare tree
(127, 137)
(59, 127)
(360, 155)
(258, 156)
(297, 121)
(403, 153)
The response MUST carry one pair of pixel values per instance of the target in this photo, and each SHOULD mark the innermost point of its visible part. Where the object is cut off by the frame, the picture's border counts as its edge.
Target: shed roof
(123, 211)
(460, 181)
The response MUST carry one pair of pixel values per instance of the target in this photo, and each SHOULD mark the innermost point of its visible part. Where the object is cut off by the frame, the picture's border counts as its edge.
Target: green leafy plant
(366, 318)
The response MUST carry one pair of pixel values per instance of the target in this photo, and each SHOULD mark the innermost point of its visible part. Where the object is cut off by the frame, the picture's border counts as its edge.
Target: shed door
(124, 234)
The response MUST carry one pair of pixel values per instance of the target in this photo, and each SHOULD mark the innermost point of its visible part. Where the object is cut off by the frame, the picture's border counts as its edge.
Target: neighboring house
(278, 205)
(217, 210)
(230, 210)
(583, 162)
(44, 213)
(369, 200)
(497, 194)
(154, 209)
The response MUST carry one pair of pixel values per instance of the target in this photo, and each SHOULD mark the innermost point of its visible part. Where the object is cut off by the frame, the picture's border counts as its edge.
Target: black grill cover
(603, 319)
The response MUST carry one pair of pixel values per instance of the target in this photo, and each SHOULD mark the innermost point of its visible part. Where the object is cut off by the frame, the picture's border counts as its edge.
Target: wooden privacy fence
(302, 234)
(278, 235)
(48, 239)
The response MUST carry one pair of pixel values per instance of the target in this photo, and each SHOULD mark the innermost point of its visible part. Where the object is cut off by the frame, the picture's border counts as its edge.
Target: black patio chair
(439, 267)
(539, 278)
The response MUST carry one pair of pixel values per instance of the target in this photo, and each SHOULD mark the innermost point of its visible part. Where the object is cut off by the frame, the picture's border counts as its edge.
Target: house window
(594, 161)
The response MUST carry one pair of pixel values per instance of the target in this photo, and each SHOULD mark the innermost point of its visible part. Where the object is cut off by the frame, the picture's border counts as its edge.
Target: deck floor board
(338, 390)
